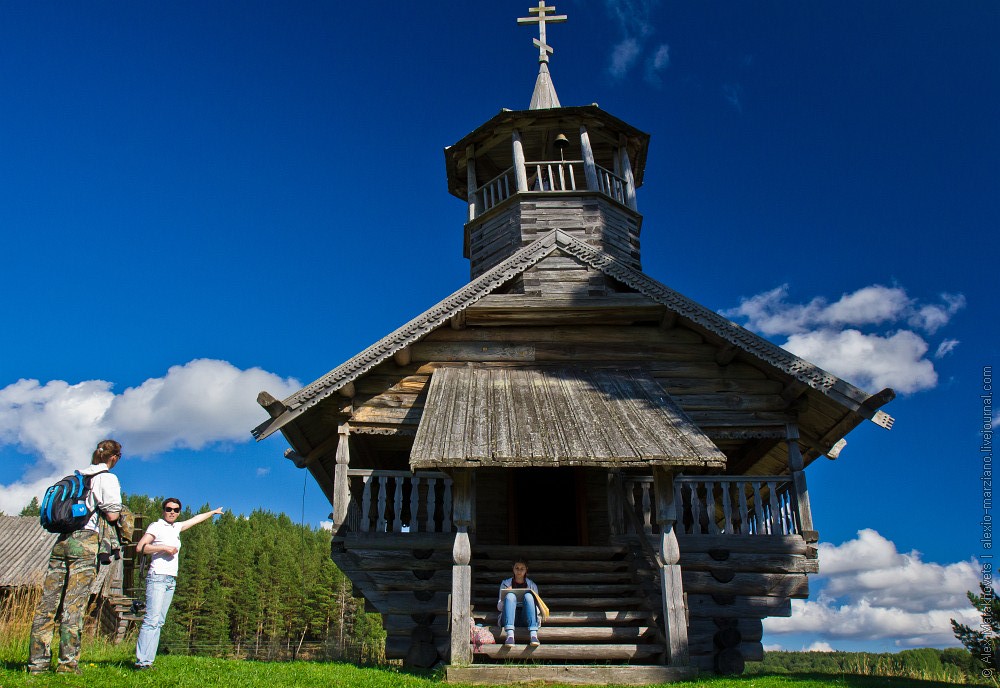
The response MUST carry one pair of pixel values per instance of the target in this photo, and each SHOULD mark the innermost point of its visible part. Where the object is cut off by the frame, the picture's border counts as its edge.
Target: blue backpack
(64, 507)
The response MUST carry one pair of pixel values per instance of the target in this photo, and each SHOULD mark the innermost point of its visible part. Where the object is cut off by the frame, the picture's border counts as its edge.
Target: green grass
(111, 666)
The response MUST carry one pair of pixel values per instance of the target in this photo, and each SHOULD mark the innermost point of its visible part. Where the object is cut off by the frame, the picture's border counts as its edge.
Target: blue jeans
(159, 594)
(525, 615)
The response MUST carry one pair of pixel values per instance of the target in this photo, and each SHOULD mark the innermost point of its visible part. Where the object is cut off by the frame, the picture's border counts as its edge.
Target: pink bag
(481, 636)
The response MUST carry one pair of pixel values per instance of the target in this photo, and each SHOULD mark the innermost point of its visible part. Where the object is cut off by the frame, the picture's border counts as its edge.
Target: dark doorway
(545, 506)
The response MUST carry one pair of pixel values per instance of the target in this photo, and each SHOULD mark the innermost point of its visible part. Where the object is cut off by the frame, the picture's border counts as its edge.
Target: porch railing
(555, 175)
(719, 505)
(736, 505)
(399, 502)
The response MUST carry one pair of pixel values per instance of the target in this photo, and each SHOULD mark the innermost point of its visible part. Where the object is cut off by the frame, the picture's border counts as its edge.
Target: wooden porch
(659, 600)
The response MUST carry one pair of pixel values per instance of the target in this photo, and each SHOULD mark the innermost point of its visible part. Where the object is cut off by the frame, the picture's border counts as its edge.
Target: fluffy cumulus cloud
(194, 405)
(635, 28)
(874, 337)
(869, 590)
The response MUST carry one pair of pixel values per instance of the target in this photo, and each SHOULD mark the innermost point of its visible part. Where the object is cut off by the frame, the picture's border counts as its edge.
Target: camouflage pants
(71, 572)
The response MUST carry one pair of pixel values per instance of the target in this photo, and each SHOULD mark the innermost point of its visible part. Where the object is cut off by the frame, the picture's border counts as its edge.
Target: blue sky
(202, 200)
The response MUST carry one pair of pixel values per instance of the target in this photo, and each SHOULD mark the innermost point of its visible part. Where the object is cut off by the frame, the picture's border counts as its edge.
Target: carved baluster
(727, 509)
(431, 505)
(446, 507)
(744, 511)
(630, 498)
(695, 509)
(713, 525)
(380, 523)
(775, 511)
(397, 506)
(679, 505)
(647, 511)
(758, 510)
(366, 502)
(414, 504)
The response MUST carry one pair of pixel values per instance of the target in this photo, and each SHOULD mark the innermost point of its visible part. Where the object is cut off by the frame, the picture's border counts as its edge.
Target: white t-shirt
(165, 534)
(105, 493)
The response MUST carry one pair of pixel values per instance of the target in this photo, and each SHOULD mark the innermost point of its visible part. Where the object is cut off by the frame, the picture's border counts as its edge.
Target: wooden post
(616, 521)
(589, 166)
(461, 576)
(470, 171)
(797, 466)
(341, 487)
(626, 172)
(671, 587)
(520, 174)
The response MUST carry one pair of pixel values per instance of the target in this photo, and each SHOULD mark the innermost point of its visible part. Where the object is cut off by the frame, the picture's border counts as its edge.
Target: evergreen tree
(32, 509)
(982, 642)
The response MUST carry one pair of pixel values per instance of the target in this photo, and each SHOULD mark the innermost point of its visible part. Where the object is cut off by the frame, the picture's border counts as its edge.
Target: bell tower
(524, 173)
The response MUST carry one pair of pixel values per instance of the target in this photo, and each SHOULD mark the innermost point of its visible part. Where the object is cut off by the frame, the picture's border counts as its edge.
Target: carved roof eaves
(839, 390)
(411, 332)
(804, 371)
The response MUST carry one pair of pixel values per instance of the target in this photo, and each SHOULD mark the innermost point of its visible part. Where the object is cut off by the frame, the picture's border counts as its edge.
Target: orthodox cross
(544, 49)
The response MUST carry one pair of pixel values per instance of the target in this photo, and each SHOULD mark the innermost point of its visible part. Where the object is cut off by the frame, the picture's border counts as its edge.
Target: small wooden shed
(24, 558)
(644, 453)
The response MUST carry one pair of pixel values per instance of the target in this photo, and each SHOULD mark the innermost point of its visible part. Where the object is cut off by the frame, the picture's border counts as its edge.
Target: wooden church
(645, 454)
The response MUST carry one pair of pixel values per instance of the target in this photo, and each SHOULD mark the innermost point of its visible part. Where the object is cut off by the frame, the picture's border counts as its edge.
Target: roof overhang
(522, 416)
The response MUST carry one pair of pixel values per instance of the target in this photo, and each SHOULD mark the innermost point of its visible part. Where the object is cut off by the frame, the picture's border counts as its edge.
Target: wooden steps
(599, 613)
(576, 674)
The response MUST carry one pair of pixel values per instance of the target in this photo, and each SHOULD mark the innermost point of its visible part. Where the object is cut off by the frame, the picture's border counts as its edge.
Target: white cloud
(659, 61)
(872, 591)
(634, 23)
(870, 361)
(831, 335)
(945, 348)
(818, 646)
(623, 56)
(261, 472)
(200, 403)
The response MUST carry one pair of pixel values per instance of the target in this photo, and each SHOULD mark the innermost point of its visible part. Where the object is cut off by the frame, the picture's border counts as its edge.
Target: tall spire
(544, 95)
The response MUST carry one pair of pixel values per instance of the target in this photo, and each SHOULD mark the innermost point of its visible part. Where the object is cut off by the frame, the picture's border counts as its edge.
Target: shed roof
(24, 553)
(555, 416)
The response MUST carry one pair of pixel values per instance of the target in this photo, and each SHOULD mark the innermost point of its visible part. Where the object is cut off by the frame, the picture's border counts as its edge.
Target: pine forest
(261, 587)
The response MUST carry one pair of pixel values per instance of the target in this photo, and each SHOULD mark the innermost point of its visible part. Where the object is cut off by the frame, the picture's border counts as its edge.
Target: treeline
(261, 587)
(952, 665)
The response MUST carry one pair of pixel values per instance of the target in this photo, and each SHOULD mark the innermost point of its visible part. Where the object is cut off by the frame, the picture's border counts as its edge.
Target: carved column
(589, 166)
(461, 571)
(797, 466)
(671, 585)
(341, 485)
(520, 174)
(470, 175)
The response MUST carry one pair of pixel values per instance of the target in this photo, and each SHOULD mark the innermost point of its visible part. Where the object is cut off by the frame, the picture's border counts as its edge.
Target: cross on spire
(544, 49)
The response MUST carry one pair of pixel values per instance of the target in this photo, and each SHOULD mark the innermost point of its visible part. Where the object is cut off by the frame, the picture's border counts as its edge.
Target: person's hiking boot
(510, 638)
(68, 669)
(38, 670)
(534, 640)
(143, 667)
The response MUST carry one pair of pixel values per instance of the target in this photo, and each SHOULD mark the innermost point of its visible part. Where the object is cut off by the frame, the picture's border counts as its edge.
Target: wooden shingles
(553, 416)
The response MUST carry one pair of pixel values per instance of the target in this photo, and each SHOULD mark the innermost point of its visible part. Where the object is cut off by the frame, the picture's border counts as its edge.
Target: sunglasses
(172, 509)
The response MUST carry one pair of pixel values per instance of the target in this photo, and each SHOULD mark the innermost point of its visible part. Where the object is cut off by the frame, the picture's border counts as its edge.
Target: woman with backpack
(73, 567)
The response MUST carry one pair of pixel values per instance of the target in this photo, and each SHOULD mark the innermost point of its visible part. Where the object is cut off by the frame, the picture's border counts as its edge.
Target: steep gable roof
(699, 316)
